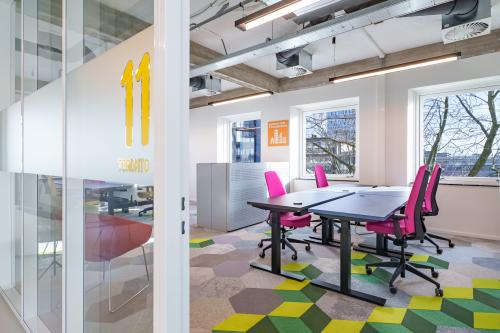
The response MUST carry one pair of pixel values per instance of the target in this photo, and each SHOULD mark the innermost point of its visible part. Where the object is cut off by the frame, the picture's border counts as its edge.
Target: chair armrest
(397, 228)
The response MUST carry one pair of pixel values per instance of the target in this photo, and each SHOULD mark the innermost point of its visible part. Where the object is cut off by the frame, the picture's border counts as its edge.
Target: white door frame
(171, 135)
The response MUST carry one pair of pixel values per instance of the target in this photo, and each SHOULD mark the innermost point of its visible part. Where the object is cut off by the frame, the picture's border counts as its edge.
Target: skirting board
(9, 304)
(464, 234)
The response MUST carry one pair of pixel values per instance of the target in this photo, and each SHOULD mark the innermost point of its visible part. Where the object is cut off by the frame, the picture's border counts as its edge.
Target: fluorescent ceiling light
(397, 68)
(271, 13)
(241, 99)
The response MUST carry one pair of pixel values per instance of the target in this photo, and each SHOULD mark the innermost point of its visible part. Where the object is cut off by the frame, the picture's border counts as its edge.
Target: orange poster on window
(277, 133)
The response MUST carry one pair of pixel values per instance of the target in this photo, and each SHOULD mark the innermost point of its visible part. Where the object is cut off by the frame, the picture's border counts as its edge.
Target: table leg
(345, 257)
(381, 248)
(327, 231)
(276, 251)
(345, 270)
(276, 243)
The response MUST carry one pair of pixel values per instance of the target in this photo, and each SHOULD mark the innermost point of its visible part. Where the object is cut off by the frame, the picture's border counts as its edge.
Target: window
(329, 138)
(460, 131)
(245, 141)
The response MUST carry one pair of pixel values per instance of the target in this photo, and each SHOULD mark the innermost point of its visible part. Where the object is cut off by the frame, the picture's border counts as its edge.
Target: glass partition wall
(76, 164)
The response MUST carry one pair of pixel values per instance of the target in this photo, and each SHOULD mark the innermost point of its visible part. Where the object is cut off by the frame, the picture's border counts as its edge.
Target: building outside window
(245, 141)
(460, 131)
(329, 138)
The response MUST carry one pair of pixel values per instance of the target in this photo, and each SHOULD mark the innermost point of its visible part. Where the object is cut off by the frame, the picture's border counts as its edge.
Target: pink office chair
(403, 227)
(321, 181)
(287, 220)
(430, 208)
(320, 175)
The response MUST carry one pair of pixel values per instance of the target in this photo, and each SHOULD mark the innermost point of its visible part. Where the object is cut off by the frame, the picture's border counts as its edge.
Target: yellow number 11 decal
(127, 81)
(143, 76)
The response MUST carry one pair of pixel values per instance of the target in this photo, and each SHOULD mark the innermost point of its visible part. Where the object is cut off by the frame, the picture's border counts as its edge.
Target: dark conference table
(367, 204)
(298, 203)
(358, 207)
(381, 247)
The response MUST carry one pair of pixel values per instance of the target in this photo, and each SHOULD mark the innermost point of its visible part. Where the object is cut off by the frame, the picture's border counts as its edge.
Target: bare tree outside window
(331, 141)
(461, 132)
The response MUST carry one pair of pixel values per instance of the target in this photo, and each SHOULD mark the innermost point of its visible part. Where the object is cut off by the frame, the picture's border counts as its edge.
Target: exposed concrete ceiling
(391, 36)
(468, 48)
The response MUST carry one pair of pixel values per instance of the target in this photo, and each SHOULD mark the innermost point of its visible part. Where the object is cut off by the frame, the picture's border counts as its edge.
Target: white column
(73, 191)
(171, 114)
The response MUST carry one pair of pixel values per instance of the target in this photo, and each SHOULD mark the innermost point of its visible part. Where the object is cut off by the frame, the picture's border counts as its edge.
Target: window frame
(339, 107)
(230, 128)
(224, 134)
(455, 89)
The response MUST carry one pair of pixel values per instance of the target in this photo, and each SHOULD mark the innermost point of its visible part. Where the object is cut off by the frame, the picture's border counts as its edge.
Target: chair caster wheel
(260, 244)
(439, 251)
(435, 274)
(369, 270)
(308, 247)
(294, 257)
(393, 290)
(452, 245)
(262, 255)
(439, 292)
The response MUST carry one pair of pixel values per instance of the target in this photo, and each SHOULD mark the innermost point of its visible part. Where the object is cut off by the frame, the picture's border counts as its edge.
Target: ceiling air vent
(467, 30)
(205, 85)
(294, 63)
(471, 20)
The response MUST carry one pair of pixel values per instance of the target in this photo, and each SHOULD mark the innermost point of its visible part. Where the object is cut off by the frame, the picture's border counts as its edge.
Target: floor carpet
(227, 295)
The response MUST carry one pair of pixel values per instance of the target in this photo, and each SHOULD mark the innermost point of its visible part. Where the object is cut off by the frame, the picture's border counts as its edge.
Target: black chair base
(285, 242)
(401, 266)
(430, 238)
(315, 229)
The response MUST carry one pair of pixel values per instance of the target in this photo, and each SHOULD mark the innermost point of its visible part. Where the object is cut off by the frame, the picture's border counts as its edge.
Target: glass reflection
(118, 256)
(49, 230)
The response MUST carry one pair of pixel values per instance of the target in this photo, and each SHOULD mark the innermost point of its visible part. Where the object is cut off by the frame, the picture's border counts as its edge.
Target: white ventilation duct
(462, 19)
(205, 85)
(361, 18)
(294, 63)
(471, 21)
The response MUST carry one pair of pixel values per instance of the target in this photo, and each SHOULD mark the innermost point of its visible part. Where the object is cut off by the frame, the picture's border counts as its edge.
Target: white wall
(203, 130)
(383, 145)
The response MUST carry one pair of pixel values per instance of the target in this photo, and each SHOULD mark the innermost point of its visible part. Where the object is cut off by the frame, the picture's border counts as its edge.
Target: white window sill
(333, 179)
(473, 181)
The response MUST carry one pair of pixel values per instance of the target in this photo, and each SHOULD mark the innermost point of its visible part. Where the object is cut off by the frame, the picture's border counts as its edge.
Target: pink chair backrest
(414, 205)
(430, 204)
(274, 185)
(320, 175)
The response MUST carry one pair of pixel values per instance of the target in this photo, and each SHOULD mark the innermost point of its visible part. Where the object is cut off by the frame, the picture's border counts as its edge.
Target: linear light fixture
(242, 98)
(397, 68)
(270, 13)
